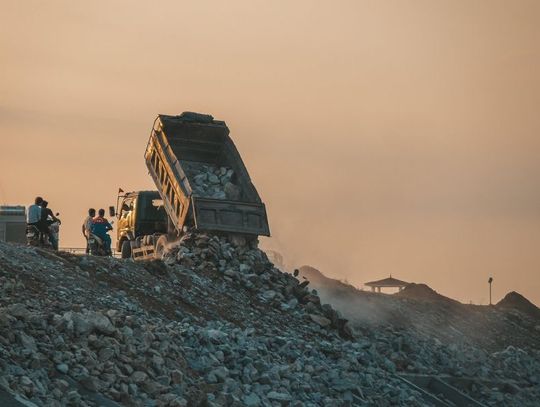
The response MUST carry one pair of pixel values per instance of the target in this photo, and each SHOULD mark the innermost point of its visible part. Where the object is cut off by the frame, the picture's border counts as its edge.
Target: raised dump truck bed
(201, 177)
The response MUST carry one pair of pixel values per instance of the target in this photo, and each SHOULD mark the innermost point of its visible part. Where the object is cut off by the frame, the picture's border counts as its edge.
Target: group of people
(97, 225)
(41, 216)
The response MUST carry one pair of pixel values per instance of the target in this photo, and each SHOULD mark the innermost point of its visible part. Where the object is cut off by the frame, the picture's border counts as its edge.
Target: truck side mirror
(112, 211)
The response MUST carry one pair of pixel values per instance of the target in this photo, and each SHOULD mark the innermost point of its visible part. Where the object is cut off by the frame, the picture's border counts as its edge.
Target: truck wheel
(160, 247)
(126, 249)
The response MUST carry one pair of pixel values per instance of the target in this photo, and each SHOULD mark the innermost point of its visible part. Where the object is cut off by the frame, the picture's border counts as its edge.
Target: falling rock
(312, 298)
(303, 284)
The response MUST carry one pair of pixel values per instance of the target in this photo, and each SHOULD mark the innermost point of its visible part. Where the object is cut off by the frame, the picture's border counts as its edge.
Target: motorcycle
(34, 235)
(97, 245)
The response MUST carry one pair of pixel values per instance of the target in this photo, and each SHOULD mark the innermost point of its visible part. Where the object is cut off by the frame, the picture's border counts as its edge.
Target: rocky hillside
(216, 324)
(479, 349)
(513, 321)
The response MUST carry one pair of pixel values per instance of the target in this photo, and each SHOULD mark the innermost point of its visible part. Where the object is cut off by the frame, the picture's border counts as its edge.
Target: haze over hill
(420, 309)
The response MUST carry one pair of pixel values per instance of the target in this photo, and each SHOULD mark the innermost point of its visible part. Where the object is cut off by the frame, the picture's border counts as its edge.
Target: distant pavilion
(389, 282)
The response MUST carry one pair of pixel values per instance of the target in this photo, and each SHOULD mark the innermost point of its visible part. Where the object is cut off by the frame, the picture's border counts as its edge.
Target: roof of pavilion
(387, 282)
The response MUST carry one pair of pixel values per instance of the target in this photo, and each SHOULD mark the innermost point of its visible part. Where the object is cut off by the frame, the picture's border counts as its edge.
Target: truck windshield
(150, 210)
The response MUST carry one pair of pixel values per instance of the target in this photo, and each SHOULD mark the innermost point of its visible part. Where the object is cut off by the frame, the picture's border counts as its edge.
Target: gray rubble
(213, 324)
(210, 181)
(78, 328)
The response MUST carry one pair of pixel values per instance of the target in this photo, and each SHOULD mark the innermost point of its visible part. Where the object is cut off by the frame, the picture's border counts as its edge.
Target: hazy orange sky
(384, 136)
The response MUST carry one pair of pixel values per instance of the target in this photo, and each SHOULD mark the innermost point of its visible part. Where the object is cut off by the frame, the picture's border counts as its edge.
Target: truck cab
(140, 215)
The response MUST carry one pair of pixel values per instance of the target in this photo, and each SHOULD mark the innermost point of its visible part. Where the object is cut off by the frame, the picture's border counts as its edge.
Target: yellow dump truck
(202, 183)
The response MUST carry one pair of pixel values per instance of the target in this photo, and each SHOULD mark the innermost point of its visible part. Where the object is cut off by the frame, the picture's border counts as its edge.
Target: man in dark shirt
(45, 222)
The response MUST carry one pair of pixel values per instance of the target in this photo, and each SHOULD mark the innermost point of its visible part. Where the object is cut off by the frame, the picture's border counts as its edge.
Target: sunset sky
(385, 137)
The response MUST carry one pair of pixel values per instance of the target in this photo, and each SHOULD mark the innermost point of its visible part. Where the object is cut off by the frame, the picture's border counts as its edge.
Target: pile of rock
(213, 324)
(216, 324)
(241, 261)
(211, 181)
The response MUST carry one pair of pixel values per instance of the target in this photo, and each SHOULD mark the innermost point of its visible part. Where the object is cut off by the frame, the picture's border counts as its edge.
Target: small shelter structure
(13, 224)
(389, 282)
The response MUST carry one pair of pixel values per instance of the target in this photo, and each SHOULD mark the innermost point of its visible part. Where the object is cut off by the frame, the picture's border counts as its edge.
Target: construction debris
(213, 324)
(210, 181)
(216, 324)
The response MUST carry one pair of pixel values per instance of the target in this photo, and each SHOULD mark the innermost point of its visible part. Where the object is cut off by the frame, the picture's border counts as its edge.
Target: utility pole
(490, 281)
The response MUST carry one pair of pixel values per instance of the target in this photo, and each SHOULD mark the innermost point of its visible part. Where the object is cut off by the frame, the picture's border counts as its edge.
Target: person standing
(87, 227)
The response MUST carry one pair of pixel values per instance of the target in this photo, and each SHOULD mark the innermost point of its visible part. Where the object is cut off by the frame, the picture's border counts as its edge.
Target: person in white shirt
(33, 216)
(87, 226)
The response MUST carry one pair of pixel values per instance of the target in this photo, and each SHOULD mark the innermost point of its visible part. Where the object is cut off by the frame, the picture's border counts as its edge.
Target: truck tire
(160, 247)
(126, 249)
